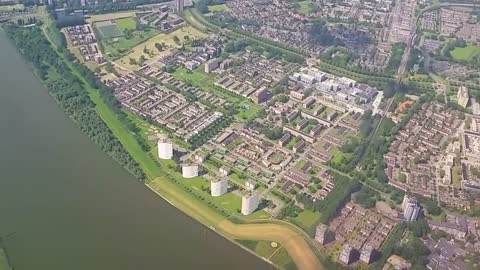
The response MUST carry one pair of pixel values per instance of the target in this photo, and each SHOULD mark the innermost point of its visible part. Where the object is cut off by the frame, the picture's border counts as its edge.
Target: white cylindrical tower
(165, 149)
(189, 170)
(250, 202)
(218, 187)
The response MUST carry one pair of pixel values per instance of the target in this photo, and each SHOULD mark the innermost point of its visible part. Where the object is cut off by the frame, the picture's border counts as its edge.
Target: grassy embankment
(293, 241)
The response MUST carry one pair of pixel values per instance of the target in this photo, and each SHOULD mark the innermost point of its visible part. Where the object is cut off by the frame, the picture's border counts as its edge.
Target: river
(66, 205)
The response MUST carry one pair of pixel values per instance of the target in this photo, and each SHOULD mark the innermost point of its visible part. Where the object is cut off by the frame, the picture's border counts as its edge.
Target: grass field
(304, 7)
(128, 23)
(340, 157)
(282, 259)
(167, 40)
(307, 219)
(217, 8)
(108, 30)
(117, 47)
(465, 54)
(247, 110)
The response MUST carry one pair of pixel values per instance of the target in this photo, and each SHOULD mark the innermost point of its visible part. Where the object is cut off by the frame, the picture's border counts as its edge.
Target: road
(401, 70)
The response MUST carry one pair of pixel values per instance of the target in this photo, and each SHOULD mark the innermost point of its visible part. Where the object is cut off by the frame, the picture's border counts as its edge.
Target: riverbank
(296, 245)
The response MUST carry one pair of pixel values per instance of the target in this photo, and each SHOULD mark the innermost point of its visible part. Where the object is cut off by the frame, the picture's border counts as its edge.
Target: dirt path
(296, 246)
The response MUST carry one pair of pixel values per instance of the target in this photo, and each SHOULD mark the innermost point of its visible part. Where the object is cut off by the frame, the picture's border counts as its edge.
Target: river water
(66, 205)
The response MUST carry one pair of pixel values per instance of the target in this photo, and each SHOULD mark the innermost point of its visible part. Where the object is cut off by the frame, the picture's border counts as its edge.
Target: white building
(179, 5)
(348, 254)
(189, 170)
(250, 202)
(250, 184)
(224, 171)
(211, 65)
(165, 149)
(411, 208)
(367, 254)
(462, 96)
(218, 187)
(323, 235)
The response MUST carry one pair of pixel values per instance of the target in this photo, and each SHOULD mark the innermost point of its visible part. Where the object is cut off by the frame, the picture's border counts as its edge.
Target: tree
(109, 67)
(176, 40)
(142, 60)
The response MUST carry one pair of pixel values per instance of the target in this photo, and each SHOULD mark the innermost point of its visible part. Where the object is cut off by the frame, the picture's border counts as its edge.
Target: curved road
(296, 246)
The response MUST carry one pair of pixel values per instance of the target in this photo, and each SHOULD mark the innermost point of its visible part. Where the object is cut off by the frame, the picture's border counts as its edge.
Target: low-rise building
(189, 170)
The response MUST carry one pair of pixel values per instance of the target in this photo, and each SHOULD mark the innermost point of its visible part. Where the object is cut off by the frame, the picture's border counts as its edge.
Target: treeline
(395, 57)
(70, 94)
(329, 207)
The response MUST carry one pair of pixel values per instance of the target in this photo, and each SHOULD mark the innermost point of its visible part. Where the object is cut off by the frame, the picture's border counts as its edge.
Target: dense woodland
(69, 92)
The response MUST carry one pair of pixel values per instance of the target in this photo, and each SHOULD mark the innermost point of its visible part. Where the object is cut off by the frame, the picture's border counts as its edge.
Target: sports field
(465, 54)
(108, 29)
(126, 23)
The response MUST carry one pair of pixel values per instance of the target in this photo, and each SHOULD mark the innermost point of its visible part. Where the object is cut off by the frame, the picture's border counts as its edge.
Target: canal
(66, 205)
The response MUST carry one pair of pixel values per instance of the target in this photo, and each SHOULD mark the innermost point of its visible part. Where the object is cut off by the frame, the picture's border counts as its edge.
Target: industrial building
(218, 187)
(189, 170)
(165, 149)
(250, 202)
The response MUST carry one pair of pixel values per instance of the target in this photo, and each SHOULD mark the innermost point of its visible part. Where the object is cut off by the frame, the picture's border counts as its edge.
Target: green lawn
(247, 110)
(126, 24)
(117, 47)
(217, 8)
(339, 157)
(465, 54)
(304, 7)
(299, 164)
(236, 178)
(282, 259)
(307, 219)
(261, 248)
